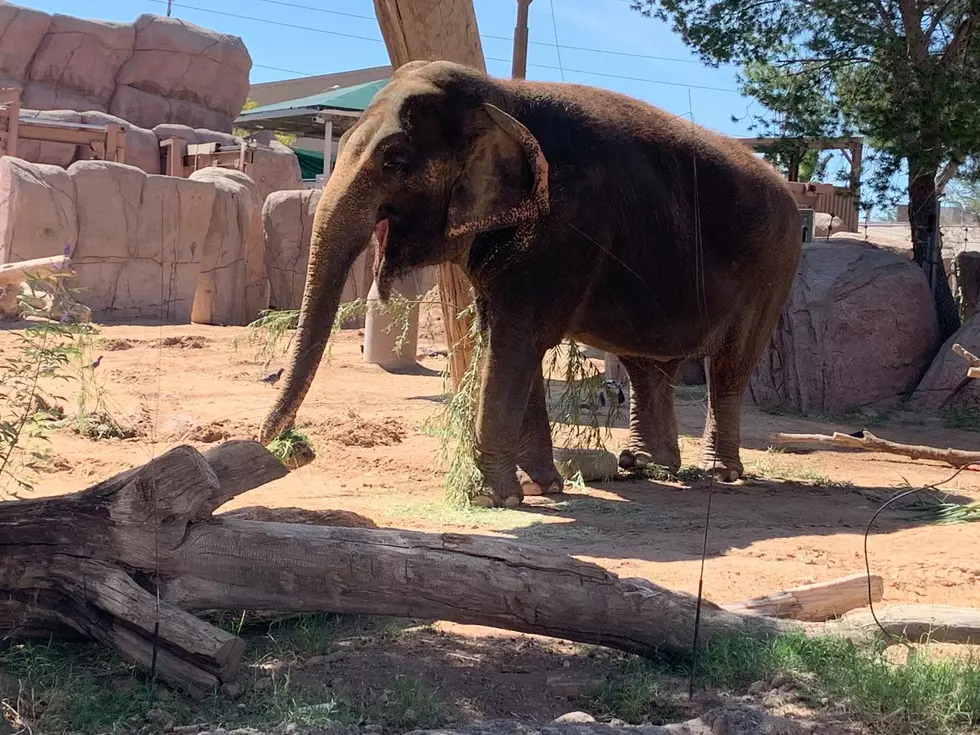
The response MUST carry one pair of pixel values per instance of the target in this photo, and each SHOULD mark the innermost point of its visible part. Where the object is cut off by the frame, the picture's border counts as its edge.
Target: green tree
(287, 139)
(903, 73)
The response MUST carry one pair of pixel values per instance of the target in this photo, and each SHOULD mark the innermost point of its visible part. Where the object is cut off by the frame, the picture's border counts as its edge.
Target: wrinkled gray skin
(573, 211)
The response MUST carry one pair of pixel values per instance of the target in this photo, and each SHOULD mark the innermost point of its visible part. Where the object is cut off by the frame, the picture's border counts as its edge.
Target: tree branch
(948, 172)
(961, 40)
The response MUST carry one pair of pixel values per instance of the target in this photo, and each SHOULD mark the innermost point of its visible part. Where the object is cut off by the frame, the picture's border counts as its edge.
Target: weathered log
(865, 440)
(966, 355)
(53, 266)
(814, 602)
(934, 623)
(67, 560)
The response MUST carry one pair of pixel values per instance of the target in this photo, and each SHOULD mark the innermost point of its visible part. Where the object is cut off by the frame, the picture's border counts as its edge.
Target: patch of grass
(405, 704)
(943, 512)
(958, 417)
(539, 531)
(774, 466)
(492, 519)
(687, 474)
(929, 695)
(293, 447)
(636, 692)
(99, 425)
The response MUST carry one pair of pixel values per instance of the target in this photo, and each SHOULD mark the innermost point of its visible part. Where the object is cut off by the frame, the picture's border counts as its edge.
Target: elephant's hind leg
(727, 373)
(653, 424)
(537, 472)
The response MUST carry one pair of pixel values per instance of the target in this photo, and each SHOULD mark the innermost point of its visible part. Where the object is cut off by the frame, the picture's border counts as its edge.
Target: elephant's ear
(492, 191)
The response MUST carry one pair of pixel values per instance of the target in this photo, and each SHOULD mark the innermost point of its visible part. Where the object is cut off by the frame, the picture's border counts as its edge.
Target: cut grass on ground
(80, 688)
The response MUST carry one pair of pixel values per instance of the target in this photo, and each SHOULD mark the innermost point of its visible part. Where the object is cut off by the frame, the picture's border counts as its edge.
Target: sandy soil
(799, 520)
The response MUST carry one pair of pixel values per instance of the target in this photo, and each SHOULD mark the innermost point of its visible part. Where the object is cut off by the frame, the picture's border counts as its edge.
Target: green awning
(351, 99)
(310, 162)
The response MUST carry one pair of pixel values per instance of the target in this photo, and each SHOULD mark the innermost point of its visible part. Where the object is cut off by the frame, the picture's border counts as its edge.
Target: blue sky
(306, 44)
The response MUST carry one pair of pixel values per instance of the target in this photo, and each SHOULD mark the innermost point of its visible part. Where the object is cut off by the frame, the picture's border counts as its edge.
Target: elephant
(575, 212)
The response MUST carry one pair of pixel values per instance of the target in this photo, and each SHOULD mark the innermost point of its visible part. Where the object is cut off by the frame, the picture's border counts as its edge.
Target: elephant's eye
(395, 162)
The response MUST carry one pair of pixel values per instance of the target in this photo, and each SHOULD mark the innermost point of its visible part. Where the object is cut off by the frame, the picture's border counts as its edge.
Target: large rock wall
(154, 70)
(144, 246)
(858, 327)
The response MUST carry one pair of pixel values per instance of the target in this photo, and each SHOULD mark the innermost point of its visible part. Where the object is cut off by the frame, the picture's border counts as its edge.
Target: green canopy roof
(352, 99)
(311, 162)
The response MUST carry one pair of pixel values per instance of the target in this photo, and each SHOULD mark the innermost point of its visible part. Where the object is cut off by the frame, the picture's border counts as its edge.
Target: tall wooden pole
(438, 29)
(519, 68)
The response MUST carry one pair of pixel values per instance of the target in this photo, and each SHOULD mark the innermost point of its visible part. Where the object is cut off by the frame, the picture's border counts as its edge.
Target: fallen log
(867, 441)
(129, 559)
(55, 266)
(814, 602)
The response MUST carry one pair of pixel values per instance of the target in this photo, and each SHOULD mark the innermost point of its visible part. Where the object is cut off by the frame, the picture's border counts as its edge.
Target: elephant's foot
(724, 469)
(640, 454)
(543, 479)
(505, 494)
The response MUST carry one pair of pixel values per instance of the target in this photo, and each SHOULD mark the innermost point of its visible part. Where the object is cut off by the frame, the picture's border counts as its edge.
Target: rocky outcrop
(287, 226)
(858, 327)
(945, 383)
(825, 225)
(142, 146)
(151, 71)
(232, 287)
(37, 210)
(140, 241)
(275, 168)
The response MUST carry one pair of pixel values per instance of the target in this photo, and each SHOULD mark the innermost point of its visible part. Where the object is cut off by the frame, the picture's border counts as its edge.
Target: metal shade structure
(305, 116)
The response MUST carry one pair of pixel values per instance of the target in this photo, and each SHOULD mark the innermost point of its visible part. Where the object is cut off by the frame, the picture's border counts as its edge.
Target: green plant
(267, 334)
(293, 447)
(43, 351)
(960, 417)
(930, 508)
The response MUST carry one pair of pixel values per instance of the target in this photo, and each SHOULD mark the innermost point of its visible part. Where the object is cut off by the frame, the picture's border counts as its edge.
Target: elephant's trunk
(342, 227)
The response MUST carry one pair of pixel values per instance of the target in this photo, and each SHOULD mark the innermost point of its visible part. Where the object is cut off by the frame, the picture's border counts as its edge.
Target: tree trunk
(927, 246)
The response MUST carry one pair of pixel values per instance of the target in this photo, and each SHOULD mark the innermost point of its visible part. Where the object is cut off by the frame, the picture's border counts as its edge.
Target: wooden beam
(438, 29)
(54, 266)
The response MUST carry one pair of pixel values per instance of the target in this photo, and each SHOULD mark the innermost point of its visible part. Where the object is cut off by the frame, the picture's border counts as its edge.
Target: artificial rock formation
(859, 327)
(140, 241)
(143, 246)
(945, 383)
(232, 287)
(153, 70)
(287, 225)
(37, 210)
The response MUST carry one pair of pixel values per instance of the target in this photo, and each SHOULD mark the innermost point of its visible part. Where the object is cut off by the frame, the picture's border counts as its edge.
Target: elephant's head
(429, 164)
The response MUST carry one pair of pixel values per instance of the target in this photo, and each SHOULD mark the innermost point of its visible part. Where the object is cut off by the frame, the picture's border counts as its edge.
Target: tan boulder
(181, 61)
(142, 146)
(83, 57)
(37, 210)
(140, 241)
(945, 383)
(56, 154)
(21, 30)
(163, 131)
(287, 226)
(858, 327)
(275, 168)
(232, 287)
(825, 225)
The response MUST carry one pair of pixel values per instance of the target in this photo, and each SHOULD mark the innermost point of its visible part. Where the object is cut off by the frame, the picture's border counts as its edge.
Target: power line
(314, 29)
(554, 26)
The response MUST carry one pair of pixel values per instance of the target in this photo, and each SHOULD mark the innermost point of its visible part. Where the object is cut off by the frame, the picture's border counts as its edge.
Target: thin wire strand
(554, 27)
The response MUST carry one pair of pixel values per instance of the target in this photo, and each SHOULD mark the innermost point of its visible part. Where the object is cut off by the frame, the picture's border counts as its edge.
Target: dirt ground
(799, 517)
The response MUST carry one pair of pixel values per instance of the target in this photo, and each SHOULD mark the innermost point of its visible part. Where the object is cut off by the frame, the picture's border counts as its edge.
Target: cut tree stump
(864, 439)
(96, 563)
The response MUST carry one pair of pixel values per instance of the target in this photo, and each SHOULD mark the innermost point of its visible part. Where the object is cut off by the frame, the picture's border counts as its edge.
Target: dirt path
(801, 521)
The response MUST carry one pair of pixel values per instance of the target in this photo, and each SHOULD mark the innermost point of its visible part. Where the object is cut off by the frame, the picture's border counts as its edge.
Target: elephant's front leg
(538, 474)
(513, 363)
(653, 423)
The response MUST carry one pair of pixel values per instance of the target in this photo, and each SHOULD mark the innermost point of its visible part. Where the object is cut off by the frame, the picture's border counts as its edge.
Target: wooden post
(519, 69)
(438, 29)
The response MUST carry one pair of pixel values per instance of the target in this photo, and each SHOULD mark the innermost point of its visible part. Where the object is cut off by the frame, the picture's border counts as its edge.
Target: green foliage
(287, 139)
(293, 447)
(270, 335)
(943, 512)
(905, 74)
(928, 695)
